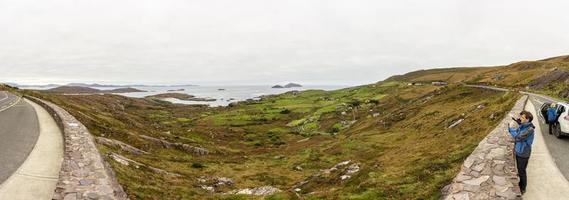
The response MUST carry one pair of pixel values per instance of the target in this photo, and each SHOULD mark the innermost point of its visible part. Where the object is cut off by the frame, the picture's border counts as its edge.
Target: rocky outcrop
(337, 174)
(490, 171)
(214, 184)
(564, 93)
(258, 191)
(180, 146)
(121, 145)
(84, 174)
(128, 162)
(555, 76)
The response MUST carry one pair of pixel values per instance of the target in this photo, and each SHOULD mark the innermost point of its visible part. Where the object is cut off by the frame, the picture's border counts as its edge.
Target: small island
(177, 90)
(179, 96)
(290, 85)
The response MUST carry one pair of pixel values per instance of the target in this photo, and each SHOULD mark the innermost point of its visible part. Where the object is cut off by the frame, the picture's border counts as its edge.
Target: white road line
(9, 106)
(5, 96)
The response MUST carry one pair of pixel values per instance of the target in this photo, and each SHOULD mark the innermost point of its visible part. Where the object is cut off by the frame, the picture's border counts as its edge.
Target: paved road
(19, 131)
(559, 148)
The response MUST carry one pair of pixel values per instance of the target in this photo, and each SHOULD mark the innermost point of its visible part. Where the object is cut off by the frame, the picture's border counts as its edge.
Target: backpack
(551, 115)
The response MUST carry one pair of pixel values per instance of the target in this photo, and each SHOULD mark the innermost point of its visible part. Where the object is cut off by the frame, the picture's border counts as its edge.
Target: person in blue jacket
(551, 116)
(522, 132)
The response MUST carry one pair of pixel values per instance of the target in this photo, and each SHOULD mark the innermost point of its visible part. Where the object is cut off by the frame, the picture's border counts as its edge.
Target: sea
(224, 95)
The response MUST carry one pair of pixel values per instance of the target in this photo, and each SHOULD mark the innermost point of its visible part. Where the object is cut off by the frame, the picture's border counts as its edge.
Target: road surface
(559, 148)
(19, 131)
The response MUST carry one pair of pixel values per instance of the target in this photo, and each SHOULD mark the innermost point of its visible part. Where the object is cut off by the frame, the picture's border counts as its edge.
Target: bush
(336, 128)
(198, 165)
(285, 111)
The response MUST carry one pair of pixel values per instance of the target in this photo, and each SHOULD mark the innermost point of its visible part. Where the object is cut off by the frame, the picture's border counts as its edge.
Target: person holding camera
(522, 131)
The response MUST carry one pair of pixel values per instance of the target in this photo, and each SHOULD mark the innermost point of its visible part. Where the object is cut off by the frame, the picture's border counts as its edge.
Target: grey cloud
(265, 41)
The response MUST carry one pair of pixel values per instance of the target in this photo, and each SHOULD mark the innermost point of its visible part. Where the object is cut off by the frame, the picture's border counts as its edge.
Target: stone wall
(490, 171)
(84, 174)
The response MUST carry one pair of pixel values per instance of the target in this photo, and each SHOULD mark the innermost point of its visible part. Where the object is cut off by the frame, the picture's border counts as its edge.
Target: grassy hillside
(398, 135)
(399, 138)
(548, 76)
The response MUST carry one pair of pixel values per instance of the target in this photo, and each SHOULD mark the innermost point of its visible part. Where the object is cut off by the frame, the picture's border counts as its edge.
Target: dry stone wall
(84, 174)
(490, 171)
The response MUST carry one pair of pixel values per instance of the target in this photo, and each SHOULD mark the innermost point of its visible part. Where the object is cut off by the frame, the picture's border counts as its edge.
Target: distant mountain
(40, 86)
(73, 90)
(95, 85)
(88, 90)
(91, 85)
(137, 85)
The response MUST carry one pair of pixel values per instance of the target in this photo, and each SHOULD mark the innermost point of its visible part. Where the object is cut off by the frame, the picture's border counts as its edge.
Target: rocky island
(179, 96)
(290, 85)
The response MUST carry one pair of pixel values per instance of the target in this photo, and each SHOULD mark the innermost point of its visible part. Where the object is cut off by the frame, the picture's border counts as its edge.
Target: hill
(88, 90)
(387, 140)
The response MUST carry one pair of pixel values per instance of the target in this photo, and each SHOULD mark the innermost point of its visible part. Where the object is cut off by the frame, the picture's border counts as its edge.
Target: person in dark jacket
(551, 116)
(523, 137)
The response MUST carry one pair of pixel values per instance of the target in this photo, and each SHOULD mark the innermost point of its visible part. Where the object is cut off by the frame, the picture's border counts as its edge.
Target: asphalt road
(19, 131)
(558, 148)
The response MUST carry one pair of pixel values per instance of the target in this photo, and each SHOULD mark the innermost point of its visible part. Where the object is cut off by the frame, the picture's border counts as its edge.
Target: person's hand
(513, 125)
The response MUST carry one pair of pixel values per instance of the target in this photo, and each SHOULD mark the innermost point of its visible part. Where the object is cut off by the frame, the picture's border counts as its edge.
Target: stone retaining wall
(490, 171)
(84, 174)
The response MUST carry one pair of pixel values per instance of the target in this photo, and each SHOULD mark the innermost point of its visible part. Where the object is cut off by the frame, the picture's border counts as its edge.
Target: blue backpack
(551, 115)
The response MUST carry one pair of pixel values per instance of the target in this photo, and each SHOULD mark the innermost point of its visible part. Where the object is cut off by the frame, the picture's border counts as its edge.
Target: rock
(479, 167)
(279, 157)
(500, 180)
(125, 161)
(222, 181)
(208, 188)
(456, 123)
(258, 191)
(477, 181)
(120, 159)
(339, 172)
(353, 168)
(460, 196)
(180, 146)
(121, 145)
(481, 106)
(70, 196)
(496, 153)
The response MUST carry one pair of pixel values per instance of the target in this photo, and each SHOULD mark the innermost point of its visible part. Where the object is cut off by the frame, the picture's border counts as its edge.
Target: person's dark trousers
(550, 128)
(522, 165)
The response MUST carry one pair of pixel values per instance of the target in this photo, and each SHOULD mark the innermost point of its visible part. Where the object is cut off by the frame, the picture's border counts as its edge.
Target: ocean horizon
(223, 94)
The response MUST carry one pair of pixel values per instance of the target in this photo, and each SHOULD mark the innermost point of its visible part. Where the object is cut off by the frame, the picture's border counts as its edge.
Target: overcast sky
(268, 41)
